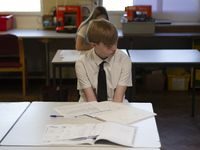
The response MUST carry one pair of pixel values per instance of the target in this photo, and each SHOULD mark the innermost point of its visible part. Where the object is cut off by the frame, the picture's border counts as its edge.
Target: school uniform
(117, 68)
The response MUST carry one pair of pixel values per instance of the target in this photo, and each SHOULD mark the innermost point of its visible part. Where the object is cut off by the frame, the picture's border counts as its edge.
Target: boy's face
(104, 51)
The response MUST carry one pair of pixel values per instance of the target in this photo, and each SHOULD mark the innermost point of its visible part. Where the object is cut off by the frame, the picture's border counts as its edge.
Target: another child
(82, 42)
(103, 38)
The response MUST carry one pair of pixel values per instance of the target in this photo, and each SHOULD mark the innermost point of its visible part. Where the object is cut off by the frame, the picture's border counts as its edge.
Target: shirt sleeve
(126, 72)
(83, 81)
(82, 31)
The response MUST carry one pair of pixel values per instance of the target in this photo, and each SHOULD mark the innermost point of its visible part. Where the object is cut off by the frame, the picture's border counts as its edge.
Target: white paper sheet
(74, 134)
(70, 55)
(125, 115)
(80, 109)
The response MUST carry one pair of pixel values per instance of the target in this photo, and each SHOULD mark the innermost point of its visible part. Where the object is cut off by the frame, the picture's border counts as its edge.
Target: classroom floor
(177, 129)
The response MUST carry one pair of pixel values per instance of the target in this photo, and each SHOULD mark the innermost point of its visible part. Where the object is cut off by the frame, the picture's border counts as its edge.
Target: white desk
(166, 58)
(41, 34)
(30, 128)
(10, 113)
(73, 148)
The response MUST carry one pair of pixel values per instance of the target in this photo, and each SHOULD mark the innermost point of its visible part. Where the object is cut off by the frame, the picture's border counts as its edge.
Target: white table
(72, 148)
(166, 58)
(30, 128)
(41, 34)
(10, 113)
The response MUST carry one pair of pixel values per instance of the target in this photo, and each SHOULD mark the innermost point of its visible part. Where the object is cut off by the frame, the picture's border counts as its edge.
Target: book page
(118, 133)
(109, 106)
(125, 115)
(80, 109)
(79, 131)
(76, 134)
(68, 134)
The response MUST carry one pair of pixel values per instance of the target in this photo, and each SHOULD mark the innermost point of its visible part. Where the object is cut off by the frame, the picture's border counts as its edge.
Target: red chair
(12, 57)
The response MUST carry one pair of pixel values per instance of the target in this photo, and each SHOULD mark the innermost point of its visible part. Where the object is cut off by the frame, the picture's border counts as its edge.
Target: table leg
(193, 91)
(47, 72)
(134, 82)
(60, 72)
(47, 63)
(131, 43)
(54, 82)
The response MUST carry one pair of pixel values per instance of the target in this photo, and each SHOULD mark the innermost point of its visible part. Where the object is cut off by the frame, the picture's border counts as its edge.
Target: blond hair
(102, 31)
(97, 11)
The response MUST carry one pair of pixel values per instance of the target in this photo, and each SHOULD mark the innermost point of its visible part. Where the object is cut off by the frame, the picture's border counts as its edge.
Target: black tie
(102, 87)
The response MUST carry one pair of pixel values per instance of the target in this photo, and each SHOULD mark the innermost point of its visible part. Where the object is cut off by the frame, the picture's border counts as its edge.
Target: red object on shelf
(68, 18)
(133, 10)
(6, 22)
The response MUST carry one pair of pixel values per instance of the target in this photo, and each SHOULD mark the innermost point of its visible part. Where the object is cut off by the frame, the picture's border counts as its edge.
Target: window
(183, 5)
(157, 5)
(174, 10)
(16, 6)
(116, 5)
(154, 3)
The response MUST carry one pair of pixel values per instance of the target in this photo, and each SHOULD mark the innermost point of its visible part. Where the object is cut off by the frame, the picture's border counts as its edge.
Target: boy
(103, 38)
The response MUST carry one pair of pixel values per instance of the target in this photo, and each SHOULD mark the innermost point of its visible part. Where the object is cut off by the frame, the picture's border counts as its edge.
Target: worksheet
(75, 134)
(106, 111)
(125, 115)
(81, 109)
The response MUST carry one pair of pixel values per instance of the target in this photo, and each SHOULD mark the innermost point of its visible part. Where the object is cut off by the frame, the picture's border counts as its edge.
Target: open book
(75, 134)
(106, 111)
(124, 114)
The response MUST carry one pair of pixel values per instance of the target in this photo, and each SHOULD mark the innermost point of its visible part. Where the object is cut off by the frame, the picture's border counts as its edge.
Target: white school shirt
(117, 68)
(82, 32)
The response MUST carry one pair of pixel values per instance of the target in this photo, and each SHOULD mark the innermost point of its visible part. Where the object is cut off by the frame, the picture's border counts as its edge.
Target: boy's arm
(90, 95)
(124, 80)
(83, 81)
(119, 94)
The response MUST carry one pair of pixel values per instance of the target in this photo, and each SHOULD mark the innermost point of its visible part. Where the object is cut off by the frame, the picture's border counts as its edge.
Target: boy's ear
(93, 44)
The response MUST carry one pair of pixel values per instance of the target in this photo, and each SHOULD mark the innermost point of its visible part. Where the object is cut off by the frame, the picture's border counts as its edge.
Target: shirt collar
(98, 60)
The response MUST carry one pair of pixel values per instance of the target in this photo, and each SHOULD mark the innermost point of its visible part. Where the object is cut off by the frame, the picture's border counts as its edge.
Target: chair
(12, 57)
